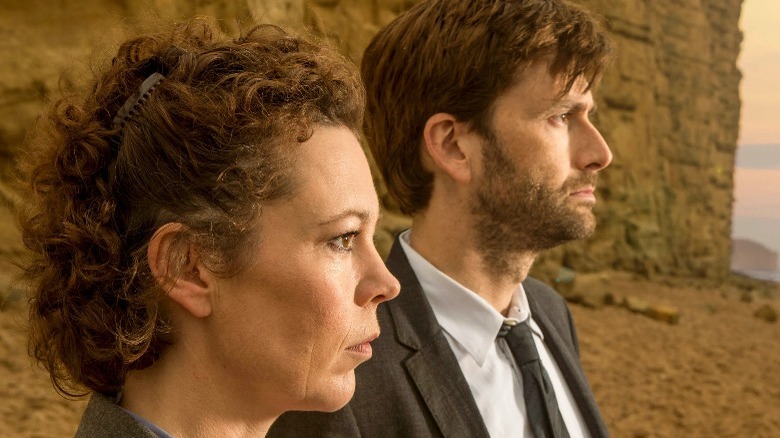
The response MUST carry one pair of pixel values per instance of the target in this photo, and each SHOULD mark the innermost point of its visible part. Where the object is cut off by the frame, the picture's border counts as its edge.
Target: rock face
(671, 115)
(669, 109)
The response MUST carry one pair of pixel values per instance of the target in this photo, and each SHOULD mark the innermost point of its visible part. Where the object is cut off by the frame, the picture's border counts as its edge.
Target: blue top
(149, 425)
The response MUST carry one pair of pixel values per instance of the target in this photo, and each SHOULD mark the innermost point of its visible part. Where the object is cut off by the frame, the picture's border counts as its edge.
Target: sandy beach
(712, 374)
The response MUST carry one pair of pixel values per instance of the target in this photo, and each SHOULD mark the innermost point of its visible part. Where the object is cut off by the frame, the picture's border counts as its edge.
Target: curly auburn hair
(457, 57)
(212, 142)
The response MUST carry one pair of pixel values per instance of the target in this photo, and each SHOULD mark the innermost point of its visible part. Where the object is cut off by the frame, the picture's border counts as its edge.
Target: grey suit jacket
(104, 419)
(413, 386)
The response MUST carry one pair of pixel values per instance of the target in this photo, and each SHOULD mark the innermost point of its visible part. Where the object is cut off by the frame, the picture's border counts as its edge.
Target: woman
(201, 224)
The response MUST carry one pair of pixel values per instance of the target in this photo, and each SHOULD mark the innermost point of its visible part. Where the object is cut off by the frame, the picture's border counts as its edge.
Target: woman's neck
(185, 398)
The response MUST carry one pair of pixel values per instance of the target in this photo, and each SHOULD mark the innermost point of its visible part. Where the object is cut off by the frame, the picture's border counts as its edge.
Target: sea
(757, 200)
(761, 274)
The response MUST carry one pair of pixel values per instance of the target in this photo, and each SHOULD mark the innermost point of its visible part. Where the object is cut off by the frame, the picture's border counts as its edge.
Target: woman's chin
(331, 396)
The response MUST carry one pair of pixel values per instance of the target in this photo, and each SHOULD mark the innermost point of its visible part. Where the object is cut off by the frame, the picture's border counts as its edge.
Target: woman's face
(291, 327)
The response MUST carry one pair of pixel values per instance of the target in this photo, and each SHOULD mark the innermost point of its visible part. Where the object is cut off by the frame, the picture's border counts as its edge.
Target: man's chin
(585, 226)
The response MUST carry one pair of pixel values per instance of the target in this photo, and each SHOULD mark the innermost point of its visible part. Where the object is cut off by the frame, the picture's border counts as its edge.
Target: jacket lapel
(103, 418)
(432, 366)
(572, 371)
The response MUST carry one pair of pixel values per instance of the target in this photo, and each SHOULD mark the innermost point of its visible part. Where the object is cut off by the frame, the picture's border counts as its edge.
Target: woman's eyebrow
(363, 215)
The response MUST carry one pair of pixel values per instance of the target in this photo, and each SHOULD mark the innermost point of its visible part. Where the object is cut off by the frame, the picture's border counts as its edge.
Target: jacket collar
(432, 366)
(570, 368)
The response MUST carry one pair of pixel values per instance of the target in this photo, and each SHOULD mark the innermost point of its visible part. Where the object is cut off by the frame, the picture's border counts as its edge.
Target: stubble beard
(515, 214)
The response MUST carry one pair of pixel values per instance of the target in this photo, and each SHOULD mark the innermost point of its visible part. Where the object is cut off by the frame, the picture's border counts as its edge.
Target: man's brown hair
(457, 57)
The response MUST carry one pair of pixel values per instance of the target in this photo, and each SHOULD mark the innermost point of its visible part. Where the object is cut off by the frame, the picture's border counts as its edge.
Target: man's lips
(584, 191)
(587, 193)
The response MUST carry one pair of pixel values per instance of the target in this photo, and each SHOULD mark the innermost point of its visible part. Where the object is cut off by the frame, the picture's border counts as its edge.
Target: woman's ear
(448, 146)
(177, 268)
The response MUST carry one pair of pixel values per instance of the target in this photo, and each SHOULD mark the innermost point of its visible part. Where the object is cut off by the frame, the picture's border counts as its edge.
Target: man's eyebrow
(554, 106)
(572, 106)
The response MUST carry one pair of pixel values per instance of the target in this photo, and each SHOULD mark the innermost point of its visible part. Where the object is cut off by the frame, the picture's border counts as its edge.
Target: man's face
(539, 168)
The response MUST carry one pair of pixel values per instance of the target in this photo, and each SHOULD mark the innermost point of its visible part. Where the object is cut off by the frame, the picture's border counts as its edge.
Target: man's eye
(344, 242)
(561, 118)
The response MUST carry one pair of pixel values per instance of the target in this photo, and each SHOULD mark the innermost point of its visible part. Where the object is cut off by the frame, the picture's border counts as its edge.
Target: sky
(759, 62)
(757, 175)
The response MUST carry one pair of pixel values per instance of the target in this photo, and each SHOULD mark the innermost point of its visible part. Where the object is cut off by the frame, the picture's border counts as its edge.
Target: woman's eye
(344, 242)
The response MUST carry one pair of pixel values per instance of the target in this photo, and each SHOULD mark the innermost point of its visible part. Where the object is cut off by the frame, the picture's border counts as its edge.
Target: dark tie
(540, 404)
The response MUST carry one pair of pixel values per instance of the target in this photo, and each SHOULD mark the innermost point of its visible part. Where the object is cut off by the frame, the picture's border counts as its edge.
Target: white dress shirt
(471, 327)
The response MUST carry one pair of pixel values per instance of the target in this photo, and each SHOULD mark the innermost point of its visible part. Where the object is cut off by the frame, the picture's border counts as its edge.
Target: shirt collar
(467, 317)
(520, 310)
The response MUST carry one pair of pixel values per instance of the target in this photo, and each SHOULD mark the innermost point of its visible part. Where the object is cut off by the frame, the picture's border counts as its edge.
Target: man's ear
(448, 146)
(177, 268)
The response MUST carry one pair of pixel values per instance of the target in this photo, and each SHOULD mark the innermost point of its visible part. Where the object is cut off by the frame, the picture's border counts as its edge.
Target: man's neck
(451, 246)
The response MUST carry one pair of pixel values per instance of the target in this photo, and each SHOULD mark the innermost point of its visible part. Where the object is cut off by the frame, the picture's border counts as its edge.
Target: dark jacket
(104, 419)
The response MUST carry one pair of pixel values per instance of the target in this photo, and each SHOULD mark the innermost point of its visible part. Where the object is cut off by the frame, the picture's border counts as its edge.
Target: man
(478, 118)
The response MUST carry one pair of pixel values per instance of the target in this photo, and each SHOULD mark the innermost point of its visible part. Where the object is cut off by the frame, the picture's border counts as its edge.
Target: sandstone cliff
(671, 114)
(669, 109)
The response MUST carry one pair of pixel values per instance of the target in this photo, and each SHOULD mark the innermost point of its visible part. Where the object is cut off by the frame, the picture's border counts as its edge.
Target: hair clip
(136, 99)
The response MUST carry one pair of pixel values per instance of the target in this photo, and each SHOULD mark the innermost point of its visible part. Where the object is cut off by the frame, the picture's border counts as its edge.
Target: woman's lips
(363, 348)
